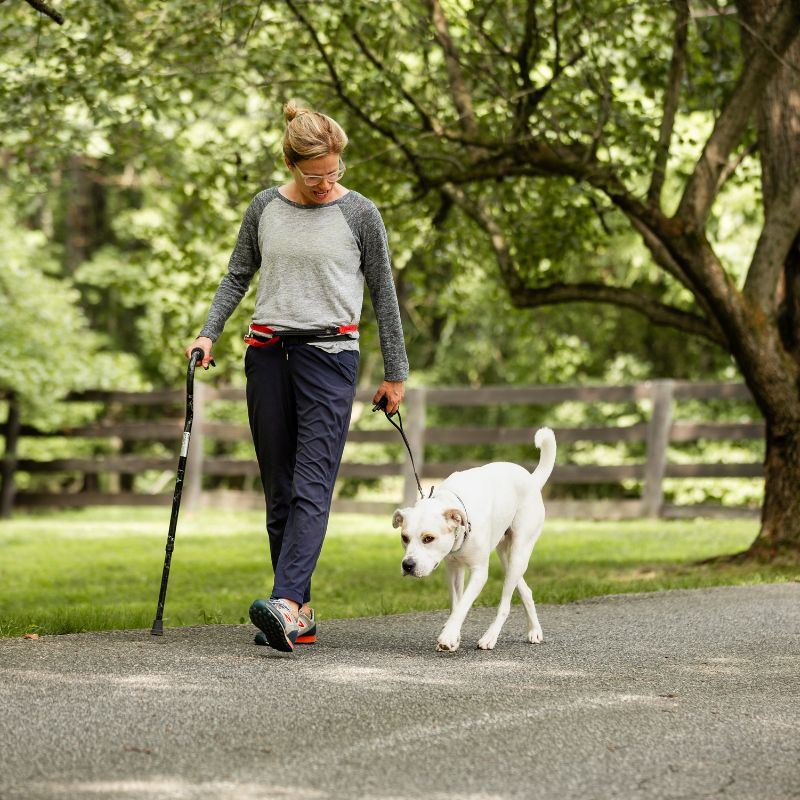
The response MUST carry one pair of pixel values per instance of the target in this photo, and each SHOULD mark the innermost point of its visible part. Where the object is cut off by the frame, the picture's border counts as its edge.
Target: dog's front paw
(447, 643)
(487, 641)
(535, 636)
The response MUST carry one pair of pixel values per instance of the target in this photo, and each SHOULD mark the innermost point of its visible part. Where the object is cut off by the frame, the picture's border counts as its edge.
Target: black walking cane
(158, 623)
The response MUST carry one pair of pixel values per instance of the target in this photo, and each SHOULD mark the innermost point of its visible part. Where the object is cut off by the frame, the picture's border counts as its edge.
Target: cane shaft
(158, 625)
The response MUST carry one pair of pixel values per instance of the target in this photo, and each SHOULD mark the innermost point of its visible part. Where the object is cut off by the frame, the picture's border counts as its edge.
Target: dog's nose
(408, 565)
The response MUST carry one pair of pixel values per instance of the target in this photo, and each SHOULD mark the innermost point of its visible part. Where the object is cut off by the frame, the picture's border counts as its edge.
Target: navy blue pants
(299, 400)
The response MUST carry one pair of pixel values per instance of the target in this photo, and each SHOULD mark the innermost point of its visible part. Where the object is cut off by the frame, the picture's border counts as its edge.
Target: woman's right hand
(204, 344)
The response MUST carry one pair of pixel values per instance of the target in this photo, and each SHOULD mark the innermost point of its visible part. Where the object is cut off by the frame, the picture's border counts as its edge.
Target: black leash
(381, 406)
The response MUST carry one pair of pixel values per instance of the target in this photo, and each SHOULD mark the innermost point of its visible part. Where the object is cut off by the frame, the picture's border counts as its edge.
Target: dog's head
(428, 531)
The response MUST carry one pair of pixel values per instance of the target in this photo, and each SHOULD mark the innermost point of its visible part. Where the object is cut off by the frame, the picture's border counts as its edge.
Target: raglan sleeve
(377, 266)
(244, 263)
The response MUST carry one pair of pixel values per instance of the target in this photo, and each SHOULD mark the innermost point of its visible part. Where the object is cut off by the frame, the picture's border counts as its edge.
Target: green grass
(98, 569)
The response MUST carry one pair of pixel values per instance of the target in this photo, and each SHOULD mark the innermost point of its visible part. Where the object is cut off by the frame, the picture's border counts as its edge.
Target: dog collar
(467, 527)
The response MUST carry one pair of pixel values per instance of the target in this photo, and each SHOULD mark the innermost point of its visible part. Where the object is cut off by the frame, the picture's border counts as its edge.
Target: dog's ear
(397, 518)
(455, 518)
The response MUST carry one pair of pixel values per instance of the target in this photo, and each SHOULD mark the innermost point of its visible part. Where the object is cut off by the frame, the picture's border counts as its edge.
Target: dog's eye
(427, 539)
(405, 539)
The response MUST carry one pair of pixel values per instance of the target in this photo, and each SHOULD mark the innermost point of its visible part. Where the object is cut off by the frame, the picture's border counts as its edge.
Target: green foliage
(135, 135)
(176, 117)
(48, 347)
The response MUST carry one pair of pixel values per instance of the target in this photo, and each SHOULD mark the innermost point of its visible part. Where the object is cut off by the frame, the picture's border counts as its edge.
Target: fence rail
(657, 434)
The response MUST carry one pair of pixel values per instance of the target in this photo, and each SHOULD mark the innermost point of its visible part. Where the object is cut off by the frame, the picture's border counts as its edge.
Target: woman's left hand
(393, 391)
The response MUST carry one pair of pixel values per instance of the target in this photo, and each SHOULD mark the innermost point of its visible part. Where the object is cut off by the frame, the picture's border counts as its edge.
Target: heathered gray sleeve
(377, 266)
(244, 263)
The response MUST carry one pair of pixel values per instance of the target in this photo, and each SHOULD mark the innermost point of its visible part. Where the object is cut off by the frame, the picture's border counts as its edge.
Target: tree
(128, 136)
(543, 135)
(592, 106)
(48, 347)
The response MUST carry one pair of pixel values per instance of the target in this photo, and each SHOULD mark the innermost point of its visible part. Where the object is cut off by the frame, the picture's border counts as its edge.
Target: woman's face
(312, 168)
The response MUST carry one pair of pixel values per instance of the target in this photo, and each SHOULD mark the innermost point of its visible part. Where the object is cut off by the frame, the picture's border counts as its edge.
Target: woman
(315, 242)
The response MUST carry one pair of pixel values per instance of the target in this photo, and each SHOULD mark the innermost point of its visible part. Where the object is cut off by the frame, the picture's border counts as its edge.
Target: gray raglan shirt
(313, 261)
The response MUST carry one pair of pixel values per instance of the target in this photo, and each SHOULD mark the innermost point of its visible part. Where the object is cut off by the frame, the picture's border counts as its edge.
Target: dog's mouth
(415, 573)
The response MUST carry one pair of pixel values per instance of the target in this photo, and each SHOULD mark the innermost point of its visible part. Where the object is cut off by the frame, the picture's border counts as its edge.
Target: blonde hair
(310, 134)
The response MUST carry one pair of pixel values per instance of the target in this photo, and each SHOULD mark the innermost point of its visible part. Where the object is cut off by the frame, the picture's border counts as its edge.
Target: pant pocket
(347, 364)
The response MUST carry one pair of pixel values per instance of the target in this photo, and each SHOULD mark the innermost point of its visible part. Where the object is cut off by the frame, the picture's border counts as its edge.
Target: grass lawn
(100, 568)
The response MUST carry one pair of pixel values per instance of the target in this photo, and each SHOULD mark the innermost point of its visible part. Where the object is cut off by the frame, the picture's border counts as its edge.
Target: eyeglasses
(331, 177)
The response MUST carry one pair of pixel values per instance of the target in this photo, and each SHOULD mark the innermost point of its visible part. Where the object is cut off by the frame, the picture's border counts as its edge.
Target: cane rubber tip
(158, 628)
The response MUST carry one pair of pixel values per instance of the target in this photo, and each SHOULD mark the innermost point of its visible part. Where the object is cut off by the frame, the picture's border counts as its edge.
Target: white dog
(499, 506)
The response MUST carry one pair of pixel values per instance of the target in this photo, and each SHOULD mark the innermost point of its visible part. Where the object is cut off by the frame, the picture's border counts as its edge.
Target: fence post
(12, 428)
(658, 431)
(194, 463)
(115, 445)
(414, 426)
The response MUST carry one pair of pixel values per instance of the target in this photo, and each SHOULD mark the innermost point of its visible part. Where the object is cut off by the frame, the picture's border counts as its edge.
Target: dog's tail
(545, 440)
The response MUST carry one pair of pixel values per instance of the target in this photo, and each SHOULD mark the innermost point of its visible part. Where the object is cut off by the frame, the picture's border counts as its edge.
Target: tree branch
(524, 296)
(253, 23)
(338, 87)
(458, 87)
(733, 165)
(480, 214)
(769, 257)
(483, 34)
(429, 122)
(700, 191)
(679, 248)
(530, 97)
(536, 158)
(529, 39)
(671, 97)
(667, 261)
(556, 39)
(657, 312)
(47, 10)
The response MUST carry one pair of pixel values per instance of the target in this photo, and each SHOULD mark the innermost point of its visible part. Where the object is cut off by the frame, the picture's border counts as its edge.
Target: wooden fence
(657, 433)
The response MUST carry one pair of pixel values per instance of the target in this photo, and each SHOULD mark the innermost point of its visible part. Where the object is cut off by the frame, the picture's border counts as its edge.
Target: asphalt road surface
(686, 694)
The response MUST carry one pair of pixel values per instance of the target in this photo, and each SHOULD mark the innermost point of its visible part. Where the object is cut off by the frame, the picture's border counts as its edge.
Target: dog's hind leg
(533, 524)
(514, 553)
(489, 639)
(535, 635)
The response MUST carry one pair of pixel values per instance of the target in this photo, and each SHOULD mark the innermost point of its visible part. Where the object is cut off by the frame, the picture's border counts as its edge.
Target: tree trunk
(86, 223)
(777, 119)
(773, 378)
(780, 515)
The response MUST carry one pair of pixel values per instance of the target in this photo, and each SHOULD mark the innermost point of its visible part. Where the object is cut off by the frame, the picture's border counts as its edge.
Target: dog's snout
(408, 565)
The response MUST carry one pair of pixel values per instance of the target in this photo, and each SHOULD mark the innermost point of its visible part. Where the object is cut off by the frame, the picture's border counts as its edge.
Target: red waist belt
(263, 335)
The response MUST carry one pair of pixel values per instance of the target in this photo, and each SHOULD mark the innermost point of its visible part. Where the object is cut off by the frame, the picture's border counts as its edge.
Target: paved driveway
(684, 694)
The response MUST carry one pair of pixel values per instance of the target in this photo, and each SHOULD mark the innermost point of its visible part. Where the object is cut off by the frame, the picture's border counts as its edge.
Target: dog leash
(381, 406)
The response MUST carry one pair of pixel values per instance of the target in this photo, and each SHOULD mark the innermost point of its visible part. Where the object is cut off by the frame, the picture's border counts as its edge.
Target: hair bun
(292, 110)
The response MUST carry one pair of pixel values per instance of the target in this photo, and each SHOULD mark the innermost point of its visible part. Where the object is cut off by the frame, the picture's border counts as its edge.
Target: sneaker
(306, 635)
(276, 620)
